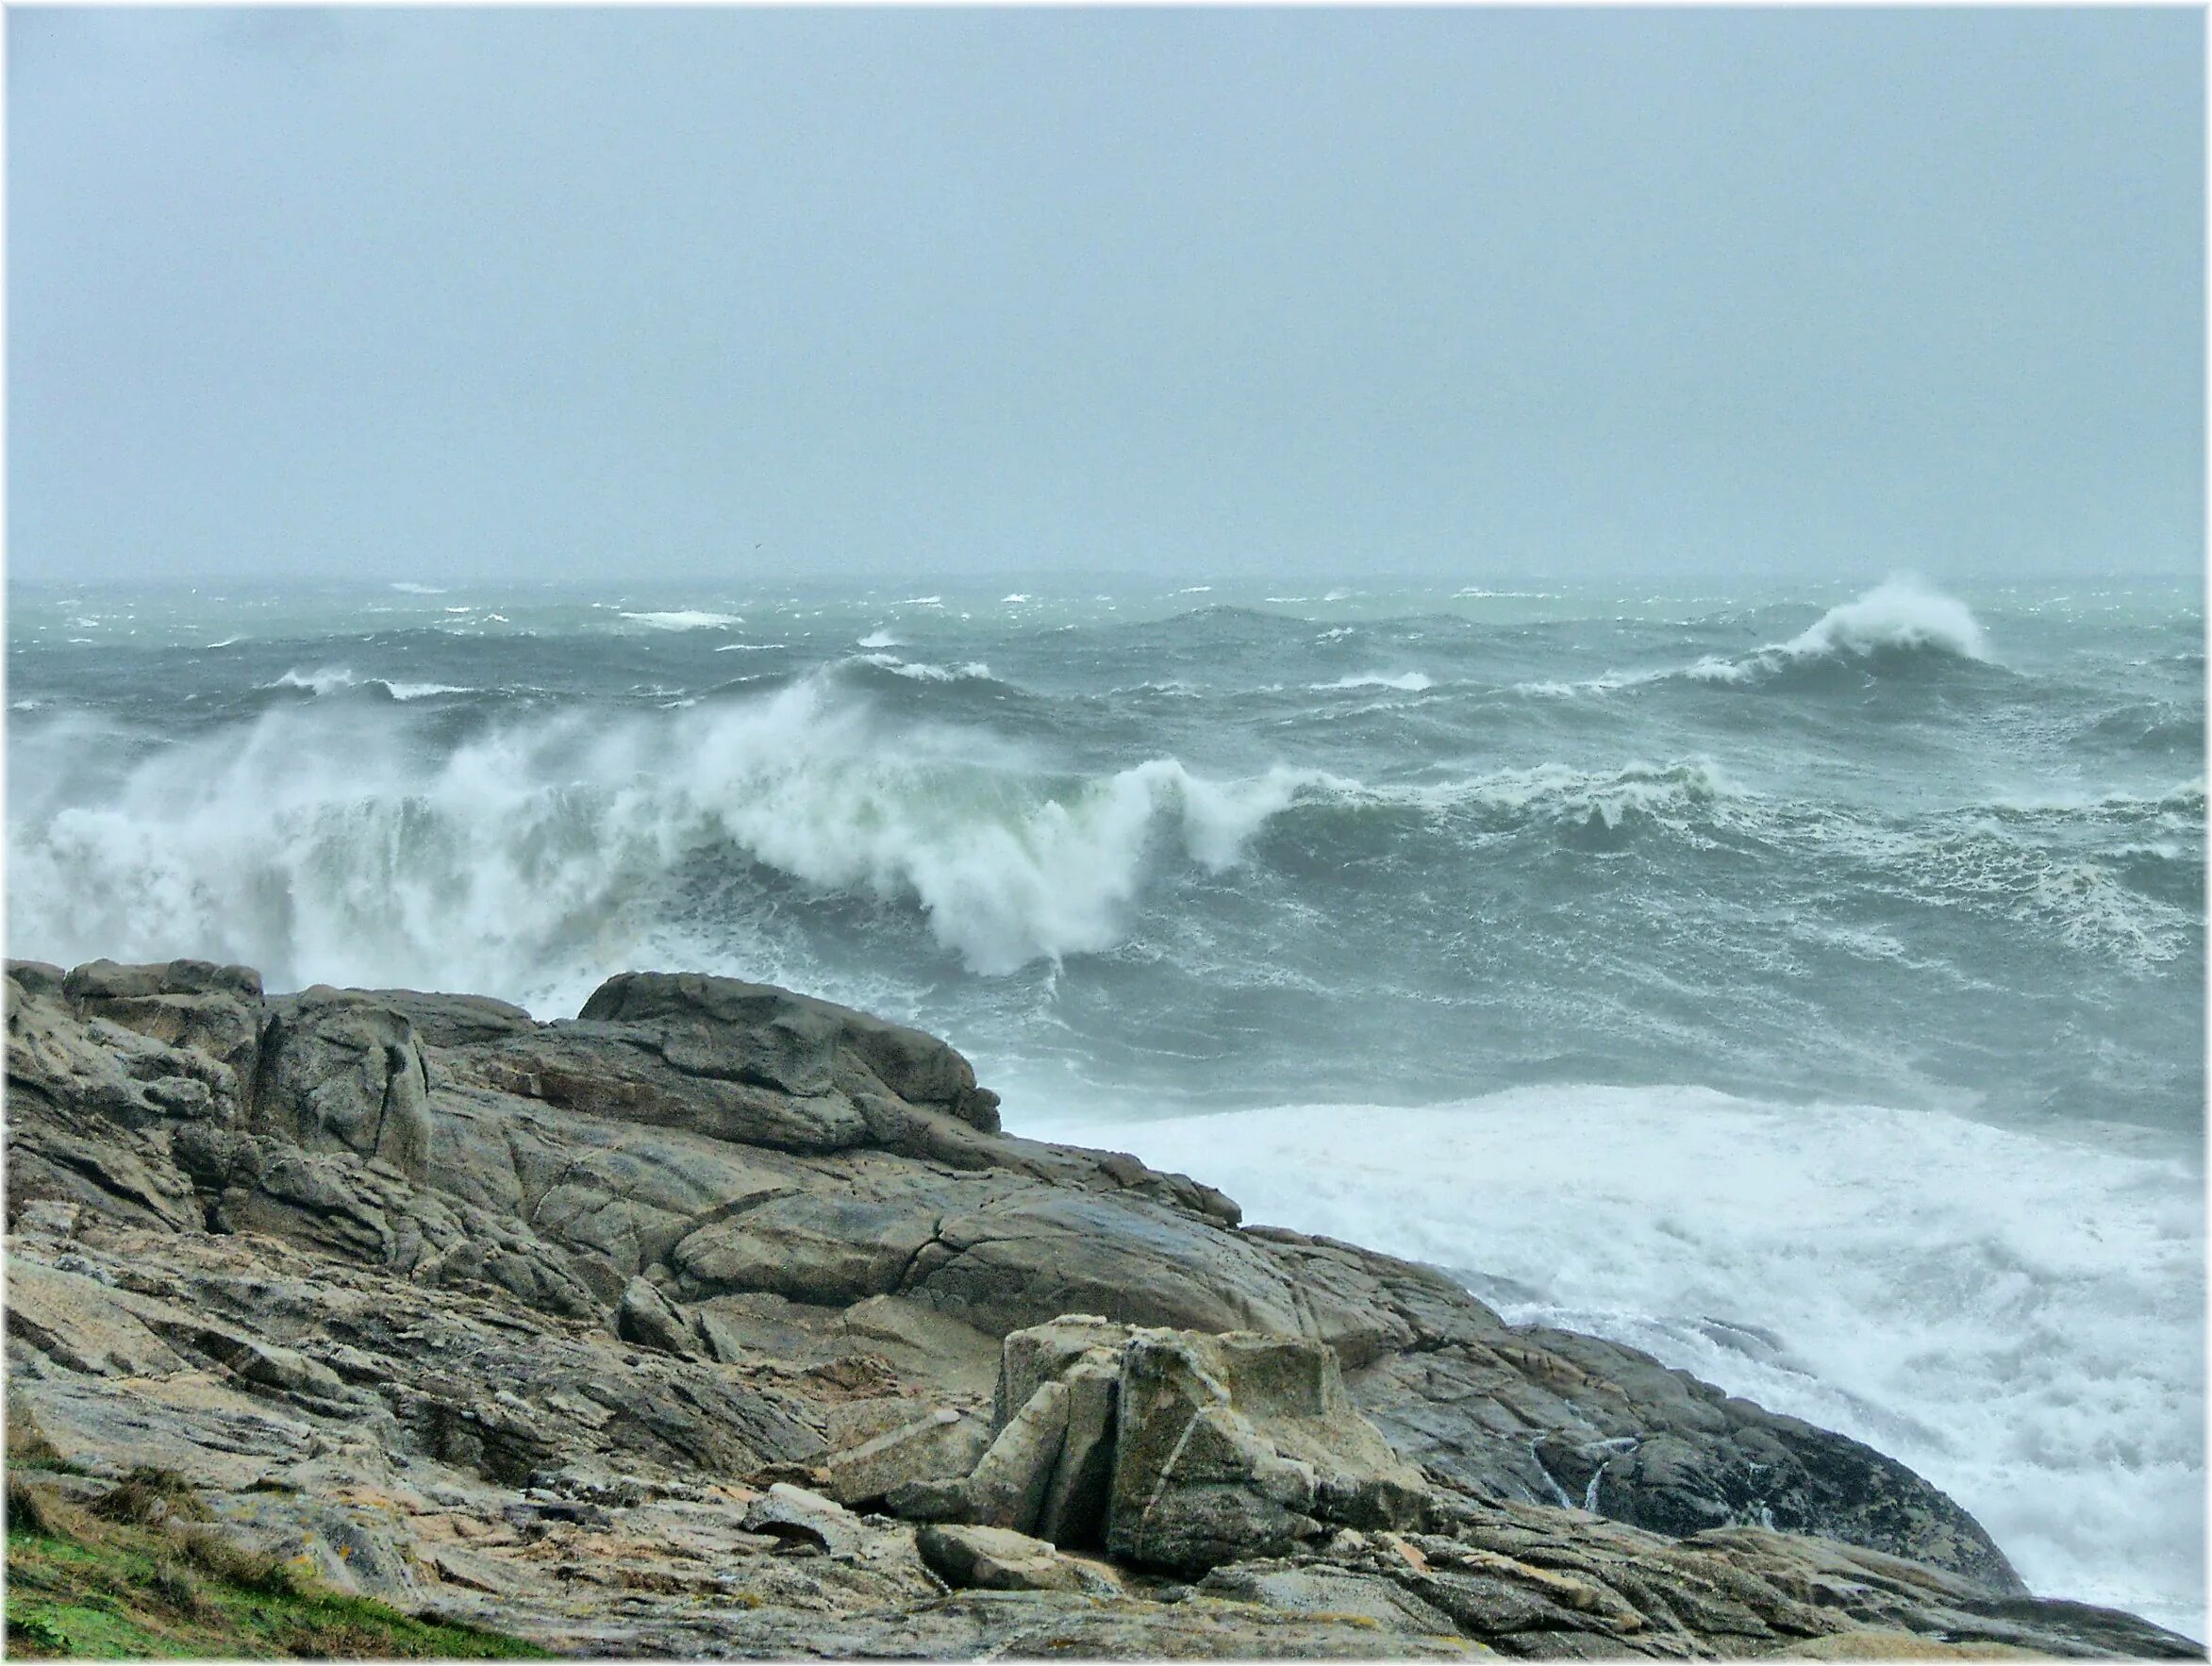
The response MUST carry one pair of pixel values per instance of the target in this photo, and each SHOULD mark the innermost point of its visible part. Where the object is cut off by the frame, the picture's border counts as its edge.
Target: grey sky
(519, 292)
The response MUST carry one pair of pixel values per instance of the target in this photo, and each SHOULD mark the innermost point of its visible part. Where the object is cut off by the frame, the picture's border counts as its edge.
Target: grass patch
(27, 1445)
(132, 1580)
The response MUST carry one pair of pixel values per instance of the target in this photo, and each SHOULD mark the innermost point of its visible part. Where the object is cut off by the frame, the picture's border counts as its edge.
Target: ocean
(1807, 987)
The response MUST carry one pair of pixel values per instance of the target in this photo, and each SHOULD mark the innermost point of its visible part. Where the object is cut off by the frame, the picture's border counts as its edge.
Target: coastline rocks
(627, 1332)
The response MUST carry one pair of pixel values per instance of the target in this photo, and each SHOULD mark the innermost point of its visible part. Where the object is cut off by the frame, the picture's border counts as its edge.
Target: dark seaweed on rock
(720, 1320)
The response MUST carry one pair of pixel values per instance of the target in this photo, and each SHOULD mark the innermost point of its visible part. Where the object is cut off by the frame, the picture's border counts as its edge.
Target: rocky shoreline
(720, 1321)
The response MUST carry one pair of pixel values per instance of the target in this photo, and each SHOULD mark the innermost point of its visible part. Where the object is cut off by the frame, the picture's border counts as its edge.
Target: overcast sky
(513, 292)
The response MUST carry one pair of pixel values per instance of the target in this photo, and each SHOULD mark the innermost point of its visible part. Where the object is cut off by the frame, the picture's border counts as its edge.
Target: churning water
(1808, 988)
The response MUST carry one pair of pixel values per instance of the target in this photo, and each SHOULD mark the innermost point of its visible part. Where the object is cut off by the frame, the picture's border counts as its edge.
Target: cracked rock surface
(722, 1321)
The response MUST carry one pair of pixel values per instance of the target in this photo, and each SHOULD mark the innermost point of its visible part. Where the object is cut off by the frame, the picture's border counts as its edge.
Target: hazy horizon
(739, 296)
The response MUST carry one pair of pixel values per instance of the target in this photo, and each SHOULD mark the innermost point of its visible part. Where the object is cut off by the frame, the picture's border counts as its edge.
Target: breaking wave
(1898, 620)
(327, 847)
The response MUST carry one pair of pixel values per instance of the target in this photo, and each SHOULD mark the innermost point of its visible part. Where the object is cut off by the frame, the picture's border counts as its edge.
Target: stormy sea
(1807, 988)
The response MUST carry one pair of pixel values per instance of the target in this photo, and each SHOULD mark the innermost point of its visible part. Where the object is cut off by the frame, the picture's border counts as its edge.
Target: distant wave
(921, 671)
(338, 678)
(1411, 682)
(1899, 623)
(685, 619)
(419, 589)
(1899, 618)
(328, 680)
(879, 638)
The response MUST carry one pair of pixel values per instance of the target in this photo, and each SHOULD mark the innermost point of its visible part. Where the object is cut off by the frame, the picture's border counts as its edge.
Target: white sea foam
(685, 619)
(880, 638)
(2030, 1342)
(419, 589)
(1411, 682)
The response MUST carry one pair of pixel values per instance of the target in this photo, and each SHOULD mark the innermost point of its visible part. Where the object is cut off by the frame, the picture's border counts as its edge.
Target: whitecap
(1408, 682)
(326, 680)
(685, 619)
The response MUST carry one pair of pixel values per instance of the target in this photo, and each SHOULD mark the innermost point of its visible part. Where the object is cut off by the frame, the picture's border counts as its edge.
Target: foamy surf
(2030, 1342)
(1162, 851)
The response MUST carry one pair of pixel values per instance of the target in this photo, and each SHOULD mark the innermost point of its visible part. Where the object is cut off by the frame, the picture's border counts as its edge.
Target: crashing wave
(323, 844)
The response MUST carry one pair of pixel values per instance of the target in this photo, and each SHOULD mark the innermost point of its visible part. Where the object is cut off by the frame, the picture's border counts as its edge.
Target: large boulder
(1241, 1445)
(342, 1071)
(215, 1011)
(1175, 1450)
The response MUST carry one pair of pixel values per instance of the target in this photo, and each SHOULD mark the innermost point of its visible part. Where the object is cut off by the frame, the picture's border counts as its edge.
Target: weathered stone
(1241, 1445)
(995, 1558)
(646, 1318)
(1043, 1353)
(756, 1032)
(1331, 1591)
(1081, 1490)
(944, 1445)
(340, 1071)
(1007, 1487)
(797, 1516)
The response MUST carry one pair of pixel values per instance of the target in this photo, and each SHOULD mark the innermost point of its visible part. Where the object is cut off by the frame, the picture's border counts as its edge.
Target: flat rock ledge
(723, 1322)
